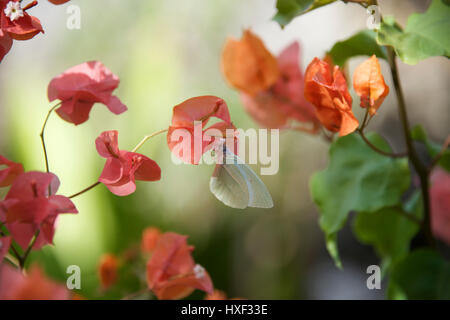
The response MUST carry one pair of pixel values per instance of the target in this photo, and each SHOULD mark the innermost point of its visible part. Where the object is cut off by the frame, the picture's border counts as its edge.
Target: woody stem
(412, 153)
(148, 137)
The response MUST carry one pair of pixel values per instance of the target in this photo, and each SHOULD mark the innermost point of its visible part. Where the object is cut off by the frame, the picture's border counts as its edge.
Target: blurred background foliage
(165, 52)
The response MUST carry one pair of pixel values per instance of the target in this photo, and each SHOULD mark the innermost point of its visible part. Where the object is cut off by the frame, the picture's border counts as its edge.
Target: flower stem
(412, 153)
(374, 148)
(146, 138)
(85, 190)
(23, 259)
(42, 135)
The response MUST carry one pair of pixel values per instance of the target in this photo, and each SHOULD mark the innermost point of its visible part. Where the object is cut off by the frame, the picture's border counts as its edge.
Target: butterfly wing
(258, 195)
(229, 187)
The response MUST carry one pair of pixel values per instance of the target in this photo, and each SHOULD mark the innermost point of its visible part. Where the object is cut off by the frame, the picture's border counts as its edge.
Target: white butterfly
(237, 185)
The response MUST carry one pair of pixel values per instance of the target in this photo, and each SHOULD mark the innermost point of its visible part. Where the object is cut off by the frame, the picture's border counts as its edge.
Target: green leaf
(357, 178)
(289, 9)
(389, 230)
(423, 274)
(361, 44)
(419, 134)
(425, 35)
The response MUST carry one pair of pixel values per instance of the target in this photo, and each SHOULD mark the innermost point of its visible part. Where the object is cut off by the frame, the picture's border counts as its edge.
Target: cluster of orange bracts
(275, 91)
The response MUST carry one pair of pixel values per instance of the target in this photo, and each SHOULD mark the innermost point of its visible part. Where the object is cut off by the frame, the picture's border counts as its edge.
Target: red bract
(8, 174)
(5, 44)
(5, 242)
(34, 286)
(15, 21)
(80, 87)
(28, 206)
(58, 1)
(440, 204)
(186, 136)
(122, 168)
(172, 272)
(284, 101)
(327, 90)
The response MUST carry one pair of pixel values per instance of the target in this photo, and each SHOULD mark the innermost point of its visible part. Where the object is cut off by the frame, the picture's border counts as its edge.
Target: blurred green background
(165, 52)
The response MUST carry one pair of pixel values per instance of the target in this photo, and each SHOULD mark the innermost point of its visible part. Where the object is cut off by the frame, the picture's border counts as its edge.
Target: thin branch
(42, 134)
(438, 157)
(409, 216)
(23, 259)
(85, 190)
(148, 137)
(13, 260)
(374, 148)
(421, 170)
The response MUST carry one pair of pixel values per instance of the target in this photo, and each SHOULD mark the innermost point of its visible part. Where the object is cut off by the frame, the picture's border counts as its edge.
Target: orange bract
(248, 65)
(107, 270)
(327, 90)
(284, 101)
(369, 84)
(150, 237)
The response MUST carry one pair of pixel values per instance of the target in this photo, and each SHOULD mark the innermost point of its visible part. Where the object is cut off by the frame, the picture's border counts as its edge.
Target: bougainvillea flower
(15, 21)
(107, 270)
(327, 90)
(216, 295)
(284, 101)
(5, 242)
(172, 272)
(187, 137)
(80, 87)
(440, 204)
(28, 206)
(5, 44)
(248, 65)
(8, 174)
(150, 237)
(122, 168)
(14, 285)
(58, 1)
(369, 84)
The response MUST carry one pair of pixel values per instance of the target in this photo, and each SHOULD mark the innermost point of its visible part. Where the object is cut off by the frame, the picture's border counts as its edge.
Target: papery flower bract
(28, 206)
(172, 272)
(284, 101)
(327, 90)
(34, 286)
(58, 1)
(5, 242)
(17, 22)
(369, 84)
(188, 114)
(216, 295)
(5, 44)
(107, 270)
(122, 168)
(80, 87)
(248, 65)
(440, 204)
(150, 237)
(8, 174)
